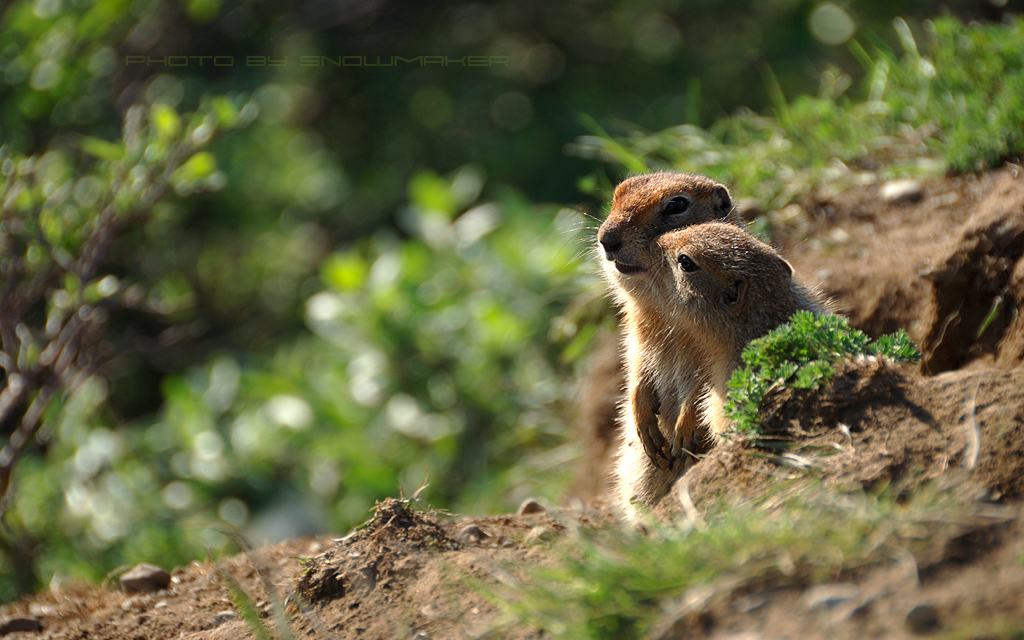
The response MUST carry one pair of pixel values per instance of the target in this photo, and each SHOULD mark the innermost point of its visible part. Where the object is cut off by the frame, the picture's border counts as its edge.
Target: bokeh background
(376, 276)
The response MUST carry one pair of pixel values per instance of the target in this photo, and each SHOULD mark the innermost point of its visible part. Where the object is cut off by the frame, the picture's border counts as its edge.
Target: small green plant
(801, 355)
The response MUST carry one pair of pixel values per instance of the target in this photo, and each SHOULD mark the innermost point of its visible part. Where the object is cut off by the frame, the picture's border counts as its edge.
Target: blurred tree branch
(52, 256)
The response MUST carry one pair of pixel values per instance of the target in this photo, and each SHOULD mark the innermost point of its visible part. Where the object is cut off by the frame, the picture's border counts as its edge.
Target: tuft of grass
(247, 609)
(1003, 627)
(801, 355)
(244, 603)
(613, 583)
(956, 106)
(976, 97)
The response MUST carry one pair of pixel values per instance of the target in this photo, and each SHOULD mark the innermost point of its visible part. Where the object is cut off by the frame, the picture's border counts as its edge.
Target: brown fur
(740, 290)
(641, 212)
(685, 332)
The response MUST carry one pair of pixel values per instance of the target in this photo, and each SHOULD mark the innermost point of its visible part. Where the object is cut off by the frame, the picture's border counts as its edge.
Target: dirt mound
(408, 574)
(875, 426)
(880, 428)
(197, 599)
(977, 285)
(368, 558)
(970, 589)
(946, 268)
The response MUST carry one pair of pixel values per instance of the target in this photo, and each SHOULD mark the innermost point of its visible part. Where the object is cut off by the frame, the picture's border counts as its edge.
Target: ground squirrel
(640, 213)
(644, 208)
(730, 288)
(701, 294)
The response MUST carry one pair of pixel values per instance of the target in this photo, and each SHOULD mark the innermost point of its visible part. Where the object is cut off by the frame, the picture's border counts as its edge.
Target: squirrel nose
(610, 240)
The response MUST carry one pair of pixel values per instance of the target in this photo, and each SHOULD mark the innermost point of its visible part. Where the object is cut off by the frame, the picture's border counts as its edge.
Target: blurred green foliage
(976, 96)
(62, 210)
(436, 358)
(957, 106)
(358, 289)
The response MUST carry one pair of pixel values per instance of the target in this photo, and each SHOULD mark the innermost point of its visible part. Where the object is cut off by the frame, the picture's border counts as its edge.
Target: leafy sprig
(802, 355)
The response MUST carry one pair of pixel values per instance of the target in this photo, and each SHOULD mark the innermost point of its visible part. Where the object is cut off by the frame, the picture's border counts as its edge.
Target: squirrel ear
(721, 200)
(789, 267)
(734, 292)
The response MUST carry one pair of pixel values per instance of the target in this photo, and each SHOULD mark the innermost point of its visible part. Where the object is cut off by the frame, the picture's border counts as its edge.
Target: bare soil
(945, 267)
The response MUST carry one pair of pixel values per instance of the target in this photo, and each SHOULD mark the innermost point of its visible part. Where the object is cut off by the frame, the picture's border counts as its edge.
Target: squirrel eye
(687, 264)
(676, 204)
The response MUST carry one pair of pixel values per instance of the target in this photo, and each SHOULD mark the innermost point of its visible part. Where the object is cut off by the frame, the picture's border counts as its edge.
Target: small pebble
(224, 617)
(839, 235)
(472, 534)
(144, 578)
(42, 610)
(539, 534)
(923, 618)
(10, 624)
(902, 191)
(530, 506)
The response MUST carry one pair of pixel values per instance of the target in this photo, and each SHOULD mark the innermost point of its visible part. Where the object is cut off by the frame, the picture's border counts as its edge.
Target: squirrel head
(729, 286)
(646, 206)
